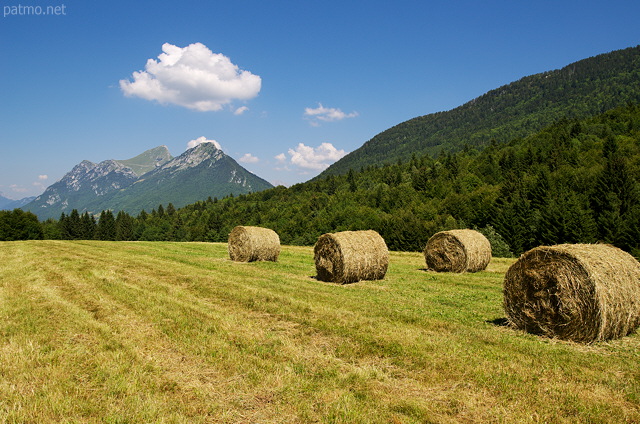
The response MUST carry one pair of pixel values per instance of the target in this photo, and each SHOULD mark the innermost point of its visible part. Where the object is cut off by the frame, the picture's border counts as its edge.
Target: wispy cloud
(326, 114)
(17, 189)
(40, 183)
(193, 77)
(240, 110)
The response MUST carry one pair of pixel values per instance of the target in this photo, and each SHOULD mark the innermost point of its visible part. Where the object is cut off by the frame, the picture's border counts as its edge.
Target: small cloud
(316, 159)
(193, 77)
(240, 110)
(326, 114)
(17, 189)
(281, 157)
(248, 158)
(193, 143)
(39, 184)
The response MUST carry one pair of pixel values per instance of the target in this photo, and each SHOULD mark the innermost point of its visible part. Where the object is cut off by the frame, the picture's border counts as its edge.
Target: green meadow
(160, 332)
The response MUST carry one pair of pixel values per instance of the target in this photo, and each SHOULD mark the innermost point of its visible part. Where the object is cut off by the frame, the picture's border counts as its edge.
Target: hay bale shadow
(498, 322)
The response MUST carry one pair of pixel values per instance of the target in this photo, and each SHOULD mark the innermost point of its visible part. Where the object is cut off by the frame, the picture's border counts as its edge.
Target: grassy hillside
(581, 89)
(119, 332)
(148, 160)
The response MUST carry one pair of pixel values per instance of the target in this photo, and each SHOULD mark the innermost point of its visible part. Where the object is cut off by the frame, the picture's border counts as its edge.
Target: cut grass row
(120, 332)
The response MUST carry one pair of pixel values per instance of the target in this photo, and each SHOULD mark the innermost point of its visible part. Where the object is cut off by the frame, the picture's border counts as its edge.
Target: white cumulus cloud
(248, 158)
(193, 77)
(43, 177)
(314, 158)
(193, 143)
(326, 114)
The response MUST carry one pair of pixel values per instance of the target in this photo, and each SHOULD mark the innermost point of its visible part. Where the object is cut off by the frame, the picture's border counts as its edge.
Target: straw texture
(247, 244)
(578, 292)
(350, 256)
(457, 251)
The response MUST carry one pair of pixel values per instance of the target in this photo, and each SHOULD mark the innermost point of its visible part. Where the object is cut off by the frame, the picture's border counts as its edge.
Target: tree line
(575, 181)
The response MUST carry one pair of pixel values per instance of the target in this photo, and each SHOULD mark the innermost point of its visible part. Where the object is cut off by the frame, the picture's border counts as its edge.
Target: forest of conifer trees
(575, 181)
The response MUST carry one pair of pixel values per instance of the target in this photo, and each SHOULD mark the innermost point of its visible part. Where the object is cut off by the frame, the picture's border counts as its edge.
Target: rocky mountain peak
(194, 157)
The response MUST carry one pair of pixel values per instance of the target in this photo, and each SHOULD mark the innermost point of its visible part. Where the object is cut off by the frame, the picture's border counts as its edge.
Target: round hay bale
(457, 251)
(578, 292)
(350, 256)
(247, 244)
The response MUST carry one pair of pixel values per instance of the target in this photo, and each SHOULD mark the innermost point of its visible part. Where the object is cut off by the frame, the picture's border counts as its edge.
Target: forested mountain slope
(574, 181)
(581, 89)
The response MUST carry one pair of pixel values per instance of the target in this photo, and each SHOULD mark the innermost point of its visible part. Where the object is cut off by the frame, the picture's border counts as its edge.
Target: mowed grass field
(144, 332)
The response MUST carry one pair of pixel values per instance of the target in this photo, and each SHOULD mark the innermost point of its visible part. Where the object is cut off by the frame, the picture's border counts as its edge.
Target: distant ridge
(584, 88)
(9, 204)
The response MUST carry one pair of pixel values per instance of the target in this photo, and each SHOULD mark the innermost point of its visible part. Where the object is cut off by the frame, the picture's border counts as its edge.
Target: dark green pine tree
(631, 237)
(124, 227)
(420, 179)
(214, 226)
(74, 225)
(514, 219)
(566, 218)
(19, 225)
(351, 179)
(177, 231)
(88, 226)
(63, 225)
(106, 229)
(615, 198)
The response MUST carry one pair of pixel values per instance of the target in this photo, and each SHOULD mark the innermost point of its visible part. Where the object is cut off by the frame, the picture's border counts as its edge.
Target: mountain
(85, 184)
(198, 173)
(4, 201)
(581, 89)
(201, 172)
(8, 204)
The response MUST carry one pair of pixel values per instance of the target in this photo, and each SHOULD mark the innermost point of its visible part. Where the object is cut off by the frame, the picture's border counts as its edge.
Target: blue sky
(285, 87)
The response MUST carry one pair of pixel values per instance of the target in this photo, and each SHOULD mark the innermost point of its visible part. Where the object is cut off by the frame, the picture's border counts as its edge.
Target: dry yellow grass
(135, 332)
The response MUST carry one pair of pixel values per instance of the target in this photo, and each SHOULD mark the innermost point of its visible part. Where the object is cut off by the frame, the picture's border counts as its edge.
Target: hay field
(118, 332)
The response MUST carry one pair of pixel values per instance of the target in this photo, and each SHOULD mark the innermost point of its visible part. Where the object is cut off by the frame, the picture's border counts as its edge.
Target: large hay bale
(350, 256)
(457, 251)
(247, 244)
(578, 292)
